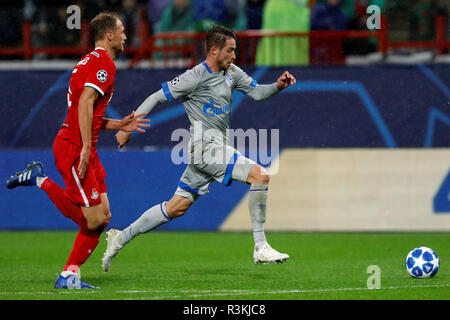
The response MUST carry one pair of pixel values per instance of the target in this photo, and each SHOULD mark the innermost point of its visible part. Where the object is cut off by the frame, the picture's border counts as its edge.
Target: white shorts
(215, 161)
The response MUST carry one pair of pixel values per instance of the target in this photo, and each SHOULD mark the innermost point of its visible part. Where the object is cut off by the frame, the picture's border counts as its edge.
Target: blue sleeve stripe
(166, 91)
(253, 84)
(186, 187)
(227, 179)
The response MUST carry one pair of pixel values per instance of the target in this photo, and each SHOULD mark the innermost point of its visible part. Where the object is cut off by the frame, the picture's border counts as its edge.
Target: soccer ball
(422, 262)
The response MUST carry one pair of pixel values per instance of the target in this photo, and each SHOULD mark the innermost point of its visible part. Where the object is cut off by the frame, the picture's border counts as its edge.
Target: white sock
(40, 181)
(67, 273)
(149, 220)
(257, 206)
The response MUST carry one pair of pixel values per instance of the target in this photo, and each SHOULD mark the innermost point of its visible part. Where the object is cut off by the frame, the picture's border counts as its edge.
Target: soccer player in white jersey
(206, 90)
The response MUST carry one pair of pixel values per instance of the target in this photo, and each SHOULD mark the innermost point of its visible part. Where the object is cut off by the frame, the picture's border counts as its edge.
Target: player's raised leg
(34, 175)
(92, 221)
(258, 179)
(149, 220)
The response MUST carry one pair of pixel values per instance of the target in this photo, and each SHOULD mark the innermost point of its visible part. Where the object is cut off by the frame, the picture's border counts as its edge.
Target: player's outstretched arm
(123, 136)
(131, 122)
(264, 91)
(134, 124)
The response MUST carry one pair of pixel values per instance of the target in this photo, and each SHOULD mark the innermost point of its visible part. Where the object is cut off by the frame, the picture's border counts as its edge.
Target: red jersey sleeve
(101, 75)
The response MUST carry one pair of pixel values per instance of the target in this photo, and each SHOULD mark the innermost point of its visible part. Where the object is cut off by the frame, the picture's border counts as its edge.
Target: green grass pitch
(215, 265)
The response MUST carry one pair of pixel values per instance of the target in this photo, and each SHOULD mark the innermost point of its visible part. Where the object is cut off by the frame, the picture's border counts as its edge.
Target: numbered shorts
(217, 162)
(84, 192)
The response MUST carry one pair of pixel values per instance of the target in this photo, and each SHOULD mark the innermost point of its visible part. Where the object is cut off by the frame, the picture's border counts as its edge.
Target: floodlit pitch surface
(215, 265)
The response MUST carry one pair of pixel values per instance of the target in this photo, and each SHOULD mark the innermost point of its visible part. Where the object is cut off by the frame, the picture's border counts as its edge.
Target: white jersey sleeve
(182, 86)
(243, 82)
(250, 87)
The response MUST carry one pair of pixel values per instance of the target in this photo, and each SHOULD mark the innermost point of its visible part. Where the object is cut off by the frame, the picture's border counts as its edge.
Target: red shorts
(84, 192)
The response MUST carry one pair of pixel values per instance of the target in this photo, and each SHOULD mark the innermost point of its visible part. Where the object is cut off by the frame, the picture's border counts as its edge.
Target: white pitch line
(182, 291)
(70, 291)
(249, 292)
(76, 291)
(224, 292)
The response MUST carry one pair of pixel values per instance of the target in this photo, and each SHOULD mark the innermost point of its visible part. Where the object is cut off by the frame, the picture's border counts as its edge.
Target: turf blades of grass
(214, 265)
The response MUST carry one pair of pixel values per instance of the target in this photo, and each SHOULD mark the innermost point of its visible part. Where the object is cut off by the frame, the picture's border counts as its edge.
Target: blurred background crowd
(408, 19)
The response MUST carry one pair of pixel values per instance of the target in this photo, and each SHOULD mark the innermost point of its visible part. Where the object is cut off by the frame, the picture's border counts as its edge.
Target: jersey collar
(206, 66)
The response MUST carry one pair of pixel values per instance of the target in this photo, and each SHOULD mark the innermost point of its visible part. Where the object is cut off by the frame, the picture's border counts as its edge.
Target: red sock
(85, 243)
(67, 207)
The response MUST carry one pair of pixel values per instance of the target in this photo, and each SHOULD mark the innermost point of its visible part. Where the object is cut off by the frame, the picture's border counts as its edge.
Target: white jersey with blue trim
(207, 97)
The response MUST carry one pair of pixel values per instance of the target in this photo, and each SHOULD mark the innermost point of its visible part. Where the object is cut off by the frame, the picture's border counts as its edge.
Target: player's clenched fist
(285, 80)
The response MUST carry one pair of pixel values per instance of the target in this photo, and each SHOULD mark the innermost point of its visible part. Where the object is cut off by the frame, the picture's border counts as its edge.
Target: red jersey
(96, 70)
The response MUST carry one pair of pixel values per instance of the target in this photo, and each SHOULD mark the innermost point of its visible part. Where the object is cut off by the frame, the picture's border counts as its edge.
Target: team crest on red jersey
(94, 195)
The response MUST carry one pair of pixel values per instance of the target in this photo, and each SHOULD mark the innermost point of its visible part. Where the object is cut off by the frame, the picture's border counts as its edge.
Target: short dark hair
(217, 36)
(101, 23)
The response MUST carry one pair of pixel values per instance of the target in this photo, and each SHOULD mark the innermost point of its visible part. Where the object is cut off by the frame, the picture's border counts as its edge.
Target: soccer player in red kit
(85, 200)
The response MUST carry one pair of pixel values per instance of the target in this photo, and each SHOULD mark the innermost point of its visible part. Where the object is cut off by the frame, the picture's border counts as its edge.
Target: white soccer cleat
(112, 249)
(267, 254)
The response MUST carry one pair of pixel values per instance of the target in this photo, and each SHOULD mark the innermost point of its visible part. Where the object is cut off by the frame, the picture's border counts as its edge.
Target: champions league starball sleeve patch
(175, 81)
(102, 76)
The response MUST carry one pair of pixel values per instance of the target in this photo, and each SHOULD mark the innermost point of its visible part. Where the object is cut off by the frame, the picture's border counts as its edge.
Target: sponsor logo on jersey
(229, 80)
(102, 75)
(210, 110)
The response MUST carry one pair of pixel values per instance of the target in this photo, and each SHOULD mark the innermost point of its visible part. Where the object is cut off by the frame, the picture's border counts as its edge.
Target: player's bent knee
(177, 207)
(96, 219)
(258, 175)
(108, 217)
(95, 224)
(263, 179)
(105, 206)
(175, 212)
(98, 225)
